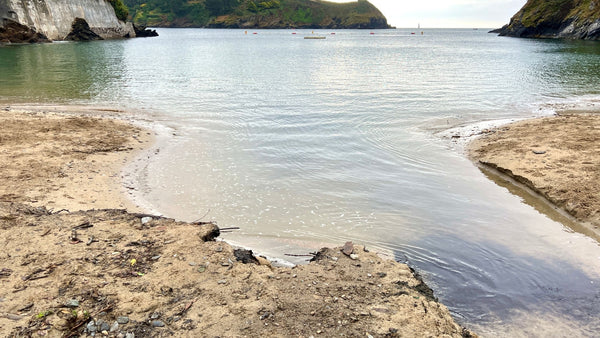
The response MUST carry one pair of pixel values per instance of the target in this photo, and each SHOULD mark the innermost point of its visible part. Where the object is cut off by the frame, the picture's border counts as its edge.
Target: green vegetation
(547, 18)
(120, 9)
(255, 14)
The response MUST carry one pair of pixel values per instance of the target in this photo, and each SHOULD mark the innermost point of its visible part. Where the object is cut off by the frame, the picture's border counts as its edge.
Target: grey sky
(448, 13)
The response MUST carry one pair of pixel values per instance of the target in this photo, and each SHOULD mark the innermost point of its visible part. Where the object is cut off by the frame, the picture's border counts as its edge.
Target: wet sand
(556, 159)
(69, 270)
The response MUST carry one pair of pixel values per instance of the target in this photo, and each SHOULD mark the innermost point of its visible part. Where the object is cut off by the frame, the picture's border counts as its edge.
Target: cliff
(54, 18)
(256, 14)
(575, 19)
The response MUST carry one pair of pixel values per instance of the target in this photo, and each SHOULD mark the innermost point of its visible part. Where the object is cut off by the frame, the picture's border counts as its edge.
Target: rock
(155, 315)
(72, 303)
(354, 256)
(102, 325)
(114, 327)
(14, 32)
(157, 323)
(245, 256)
(539, 152)
(122, 320)
(222, 281)
(81, 31)
(348, 248)
(208, 232)
(142, 32)
(129, 335)
(91, 327)
(146, 219)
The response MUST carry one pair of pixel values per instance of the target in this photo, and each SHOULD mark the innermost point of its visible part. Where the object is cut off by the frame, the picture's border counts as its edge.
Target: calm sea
(303, 143)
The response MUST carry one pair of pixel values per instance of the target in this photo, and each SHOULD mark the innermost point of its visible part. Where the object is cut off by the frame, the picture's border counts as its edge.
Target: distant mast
(418, 26)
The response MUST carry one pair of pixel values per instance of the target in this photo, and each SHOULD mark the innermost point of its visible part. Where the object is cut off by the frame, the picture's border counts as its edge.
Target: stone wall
(54, 18)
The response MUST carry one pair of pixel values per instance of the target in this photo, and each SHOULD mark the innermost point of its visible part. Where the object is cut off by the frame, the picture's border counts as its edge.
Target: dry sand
(555, 158)
(78, 273)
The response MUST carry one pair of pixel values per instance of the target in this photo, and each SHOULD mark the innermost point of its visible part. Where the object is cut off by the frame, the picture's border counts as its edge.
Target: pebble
(154, 258)
(122, 320)
(91, 327)
(114, 327)
(157, 323)
(146, 220)
(155, 315)
(201, 268)
(130, 335)
(104, 326)
(72, 303)
(354, 256)
(222, 281)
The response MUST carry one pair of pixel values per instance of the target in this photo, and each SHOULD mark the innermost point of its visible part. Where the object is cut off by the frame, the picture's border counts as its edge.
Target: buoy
(372, 33)
(246, 32)
(332, 33)
(294, 33)
(254, 33)
(413, 33)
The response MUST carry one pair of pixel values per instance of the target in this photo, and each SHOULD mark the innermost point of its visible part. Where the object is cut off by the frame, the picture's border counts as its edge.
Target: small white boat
(311, 37)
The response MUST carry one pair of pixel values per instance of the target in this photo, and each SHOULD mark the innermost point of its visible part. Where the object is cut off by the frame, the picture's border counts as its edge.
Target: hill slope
(255, 14)
(578, 19)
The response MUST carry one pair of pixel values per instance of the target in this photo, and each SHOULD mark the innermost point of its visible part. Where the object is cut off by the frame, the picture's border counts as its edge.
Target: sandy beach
(76, 263)
(555, 158)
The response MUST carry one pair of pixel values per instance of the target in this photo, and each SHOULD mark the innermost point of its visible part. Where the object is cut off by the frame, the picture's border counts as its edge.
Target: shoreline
(115, 272)
(551, 159)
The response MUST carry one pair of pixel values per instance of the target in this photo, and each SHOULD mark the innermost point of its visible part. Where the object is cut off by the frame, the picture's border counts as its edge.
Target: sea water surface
(303, 143)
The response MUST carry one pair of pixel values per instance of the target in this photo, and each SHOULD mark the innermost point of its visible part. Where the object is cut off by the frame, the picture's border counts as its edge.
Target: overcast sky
(447, 13)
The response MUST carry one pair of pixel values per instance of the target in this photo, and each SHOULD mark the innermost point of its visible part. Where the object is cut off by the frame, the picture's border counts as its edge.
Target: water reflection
(504, 295)
(60, 72)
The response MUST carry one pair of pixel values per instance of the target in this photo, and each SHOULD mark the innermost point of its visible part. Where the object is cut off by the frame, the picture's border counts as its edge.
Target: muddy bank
(557, 158)
(67, 270)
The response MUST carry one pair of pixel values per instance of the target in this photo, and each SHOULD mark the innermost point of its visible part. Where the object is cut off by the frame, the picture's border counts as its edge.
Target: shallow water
(302, 143)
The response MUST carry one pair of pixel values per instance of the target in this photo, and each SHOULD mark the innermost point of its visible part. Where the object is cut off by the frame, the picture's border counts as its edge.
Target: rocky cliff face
(54, 18)
(576, 19)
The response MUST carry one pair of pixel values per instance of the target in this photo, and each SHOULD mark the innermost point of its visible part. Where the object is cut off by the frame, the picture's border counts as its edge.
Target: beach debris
(83, 225)
(539, 152)
(5, 272)
(348, 248)
(73, 237)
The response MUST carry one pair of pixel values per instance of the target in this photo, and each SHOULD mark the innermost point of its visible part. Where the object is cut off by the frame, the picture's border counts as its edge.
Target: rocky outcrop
(13, 32)
(574, 19)
(143, 32)
(54, 18)
(81, 32)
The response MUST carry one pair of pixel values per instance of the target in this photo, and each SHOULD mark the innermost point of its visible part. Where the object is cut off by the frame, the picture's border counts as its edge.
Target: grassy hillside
(255, 14)
(556, 18)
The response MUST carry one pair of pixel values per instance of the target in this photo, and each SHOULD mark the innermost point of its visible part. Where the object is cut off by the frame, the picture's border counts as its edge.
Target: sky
(447, 13)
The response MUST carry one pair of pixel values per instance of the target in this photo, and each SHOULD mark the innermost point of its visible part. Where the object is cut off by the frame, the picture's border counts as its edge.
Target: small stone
(154, 258)
(105, 333)
(122, 320)
(219, 249)
(354, 256)
(192, 263)
(130, 335)
(348, 248)
(155, 315)
(157, 323)
(114, 327)
(146, 220)
(201, 268)
(72, 303)
(104, 326)
(91, 327)
(222, 281)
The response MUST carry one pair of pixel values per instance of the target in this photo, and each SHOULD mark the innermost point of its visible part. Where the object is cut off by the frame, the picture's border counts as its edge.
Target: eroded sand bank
(557, 158)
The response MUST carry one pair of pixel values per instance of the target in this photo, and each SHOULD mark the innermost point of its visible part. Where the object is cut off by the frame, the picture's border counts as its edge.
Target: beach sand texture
(67, 270)
(556, 157)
